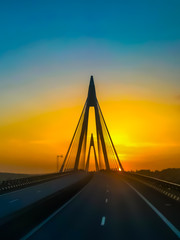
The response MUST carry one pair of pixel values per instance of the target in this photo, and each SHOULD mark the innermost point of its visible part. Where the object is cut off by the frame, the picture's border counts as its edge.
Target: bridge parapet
(15, 184)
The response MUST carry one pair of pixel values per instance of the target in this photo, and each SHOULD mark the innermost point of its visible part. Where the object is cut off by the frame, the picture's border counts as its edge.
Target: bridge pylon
(95, 156)
(75, 158)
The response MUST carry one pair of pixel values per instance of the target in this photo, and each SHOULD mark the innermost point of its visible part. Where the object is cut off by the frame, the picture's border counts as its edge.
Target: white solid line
(106, 200)
(103, 221)
(51, 216)
(14, 200)
(163, 218)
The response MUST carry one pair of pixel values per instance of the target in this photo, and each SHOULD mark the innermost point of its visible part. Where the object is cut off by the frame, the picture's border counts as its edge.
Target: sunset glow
(44, 78)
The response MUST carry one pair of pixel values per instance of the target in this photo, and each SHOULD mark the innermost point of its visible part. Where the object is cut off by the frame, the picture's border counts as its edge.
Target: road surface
(111, 207)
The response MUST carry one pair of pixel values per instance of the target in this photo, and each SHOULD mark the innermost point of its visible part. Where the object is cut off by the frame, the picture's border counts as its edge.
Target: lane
(107, 208)
(163, 218)
(167, 206)
(14, 201)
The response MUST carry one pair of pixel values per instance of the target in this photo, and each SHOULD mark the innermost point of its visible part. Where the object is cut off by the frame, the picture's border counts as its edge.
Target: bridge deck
(109, 208)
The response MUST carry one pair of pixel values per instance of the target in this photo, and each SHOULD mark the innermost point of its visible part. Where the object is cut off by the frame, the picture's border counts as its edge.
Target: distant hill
(169, 174)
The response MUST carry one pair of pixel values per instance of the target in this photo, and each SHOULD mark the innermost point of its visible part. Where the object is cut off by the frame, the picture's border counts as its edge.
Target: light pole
(58, 156)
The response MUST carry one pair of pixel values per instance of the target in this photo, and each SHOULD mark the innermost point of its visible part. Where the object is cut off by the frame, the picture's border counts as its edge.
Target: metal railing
(14, 184)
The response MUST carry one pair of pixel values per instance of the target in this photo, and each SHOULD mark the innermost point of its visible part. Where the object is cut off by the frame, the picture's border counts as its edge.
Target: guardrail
(14, 184)
(170, 189)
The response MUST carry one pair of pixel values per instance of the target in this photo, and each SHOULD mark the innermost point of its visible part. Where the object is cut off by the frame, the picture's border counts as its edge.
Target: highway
(112, 207)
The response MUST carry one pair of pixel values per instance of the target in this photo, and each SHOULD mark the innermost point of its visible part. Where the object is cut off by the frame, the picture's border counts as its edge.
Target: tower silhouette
(95, 156)
(75, 158)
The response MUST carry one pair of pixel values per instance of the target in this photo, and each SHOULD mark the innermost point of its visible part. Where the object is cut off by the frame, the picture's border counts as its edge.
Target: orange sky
(146, 134)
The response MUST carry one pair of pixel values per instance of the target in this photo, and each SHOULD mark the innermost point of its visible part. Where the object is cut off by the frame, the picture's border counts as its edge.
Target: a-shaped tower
(75, 158)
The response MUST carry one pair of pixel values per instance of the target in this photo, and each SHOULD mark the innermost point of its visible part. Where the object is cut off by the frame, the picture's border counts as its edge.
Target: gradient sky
(49, 49)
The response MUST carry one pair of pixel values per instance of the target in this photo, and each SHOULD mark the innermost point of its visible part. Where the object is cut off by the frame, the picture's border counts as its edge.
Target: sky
(49, 50)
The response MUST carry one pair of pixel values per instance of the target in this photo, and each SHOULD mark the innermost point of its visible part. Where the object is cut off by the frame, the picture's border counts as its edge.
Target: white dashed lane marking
(14, 200)
(103, 221)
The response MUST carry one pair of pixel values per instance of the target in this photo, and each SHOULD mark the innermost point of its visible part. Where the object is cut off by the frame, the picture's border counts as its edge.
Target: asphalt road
(111, 207)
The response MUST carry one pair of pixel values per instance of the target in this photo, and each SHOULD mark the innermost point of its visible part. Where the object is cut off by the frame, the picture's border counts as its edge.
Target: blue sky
(53, 46)
(124, 22)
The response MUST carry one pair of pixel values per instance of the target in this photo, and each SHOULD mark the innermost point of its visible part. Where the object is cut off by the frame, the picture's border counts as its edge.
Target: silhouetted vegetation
(169, 174)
